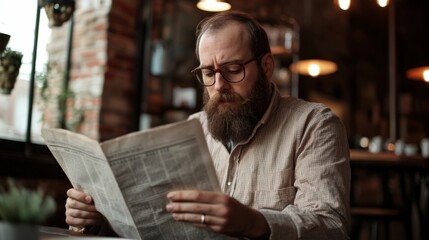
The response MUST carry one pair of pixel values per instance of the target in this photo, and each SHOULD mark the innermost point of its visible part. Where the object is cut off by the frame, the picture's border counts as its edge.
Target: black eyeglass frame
(218, 70)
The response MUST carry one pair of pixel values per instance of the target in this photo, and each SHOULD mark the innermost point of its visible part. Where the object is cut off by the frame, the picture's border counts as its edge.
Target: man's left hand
(218, 212)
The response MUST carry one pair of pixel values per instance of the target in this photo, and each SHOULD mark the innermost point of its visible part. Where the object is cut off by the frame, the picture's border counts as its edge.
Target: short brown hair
(259, 44)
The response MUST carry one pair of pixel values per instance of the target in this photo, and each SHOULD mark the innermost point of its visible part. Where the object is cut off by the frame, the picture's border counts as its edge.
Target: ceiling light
(344, 4)
(314, 67)
(382, 3)
(419, 73)
(314, 70)
(213, 5)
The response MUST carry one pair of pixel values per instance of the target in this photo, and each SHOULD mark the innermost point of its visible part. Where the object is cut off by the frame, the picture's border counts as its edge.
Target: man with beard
(282, 163)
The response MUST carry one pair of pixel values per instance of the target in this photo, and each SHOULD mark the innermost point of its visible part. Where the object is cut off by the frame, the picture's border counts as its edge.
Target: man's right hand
(80, 210)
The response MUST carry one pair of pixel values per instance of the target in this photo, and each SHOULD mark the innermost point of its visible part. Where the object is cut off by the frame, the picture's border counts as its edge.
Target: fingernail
(169, 207)
(88, 199)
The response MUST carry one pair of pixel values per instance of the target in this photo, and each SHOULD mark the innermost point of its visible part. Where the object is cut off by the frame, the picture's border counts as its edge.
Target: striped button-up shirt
(294, 168)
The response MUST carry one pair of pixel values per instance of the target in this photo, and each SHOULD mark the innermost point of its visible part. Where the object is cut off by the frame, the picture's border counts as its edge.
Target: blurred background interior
(105, 68)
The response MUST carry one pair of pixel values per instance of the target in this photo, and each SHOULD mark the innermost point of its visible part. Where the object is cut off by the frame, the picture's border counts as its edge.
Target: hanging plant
(10, 62)
(63, 102)
(58, 11)
(4, 39)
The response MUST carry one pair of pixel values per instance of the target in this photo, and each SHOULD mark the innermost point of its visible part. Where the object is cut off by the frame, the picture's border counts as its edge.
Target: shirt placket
(231, 178)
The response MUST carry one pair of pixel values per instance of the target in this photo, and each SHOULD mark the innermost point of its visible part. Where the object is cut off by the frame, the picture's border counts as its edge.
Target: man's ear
(268, 65)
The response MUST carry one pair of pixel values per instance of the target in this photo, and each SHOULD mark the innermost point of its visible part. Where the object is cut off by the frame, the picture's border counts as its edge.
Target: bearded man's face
(233, 109)
(233, 117)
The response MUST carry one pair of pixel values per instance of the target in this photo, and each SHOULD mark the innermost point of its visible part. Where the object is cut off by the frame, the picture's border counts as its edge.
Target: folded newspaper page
(130, 176)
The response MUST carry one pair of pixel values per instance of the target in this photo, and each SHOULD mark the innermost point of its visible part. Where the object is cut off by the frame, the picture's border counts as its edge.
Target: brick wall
(101, 97)
(118, 92)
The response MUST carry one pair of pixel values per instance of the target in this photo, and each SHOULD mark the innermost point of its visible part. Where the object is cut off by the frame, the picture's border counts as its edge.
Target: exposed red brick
(104, 47)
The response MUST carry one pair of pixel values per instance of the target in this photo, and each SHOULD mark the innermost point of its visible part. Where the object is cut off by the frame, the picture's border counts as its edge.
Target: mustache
(229, 97)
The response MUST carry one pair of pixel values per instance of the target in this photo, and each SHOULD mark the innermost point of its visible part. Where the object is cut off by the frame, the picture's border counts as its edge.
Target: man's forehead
(230, 43)
(234, 28)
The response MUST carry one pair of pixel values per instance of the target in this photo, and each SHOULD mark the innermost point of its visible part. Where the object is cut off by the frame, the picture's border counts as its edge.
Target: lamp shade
(382, 3)
(314, 67)
(344, 4)
(213, 5)
(419, 73)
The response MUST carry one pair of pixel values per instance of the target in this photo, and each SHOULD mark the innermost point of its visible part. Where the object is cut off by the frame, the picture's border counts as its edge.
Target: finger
(78, 218)
(75, 213)
(78, 195)
(81, 222)
(197, 219)
(196, 196)
(74, 204)
(218, 210)
(213, 223)
(191, 207)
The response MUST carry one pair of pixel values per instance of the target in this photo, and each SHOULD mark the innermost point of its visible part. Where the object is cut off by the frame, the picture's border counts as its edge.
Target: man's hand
(218, 212)
(80, 210)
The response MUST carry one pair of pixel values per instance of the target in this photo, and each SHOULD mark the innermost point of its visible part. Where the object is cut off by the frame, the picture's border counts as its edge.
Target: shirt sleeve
(322, 182)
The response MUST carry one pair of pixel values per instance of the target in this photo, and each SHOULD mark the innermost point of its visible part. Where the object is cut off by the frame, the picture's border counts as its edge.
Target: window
(17, 19)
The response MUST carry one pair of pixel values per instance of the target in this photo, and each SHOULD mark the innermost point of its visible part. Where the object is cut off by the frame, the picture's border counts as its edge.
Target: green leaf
(21, 205)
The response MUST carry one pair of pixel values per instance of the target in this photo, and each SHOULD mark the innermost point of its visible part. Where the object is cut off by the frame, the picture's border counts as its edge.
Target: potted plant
(21, 211)
(4, 39)
(10, 62)
(58, 11)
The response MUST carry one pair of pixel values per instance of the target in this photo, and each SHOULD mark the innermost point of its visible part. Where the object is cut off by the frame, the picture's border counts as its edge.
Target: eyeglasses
(231, 72)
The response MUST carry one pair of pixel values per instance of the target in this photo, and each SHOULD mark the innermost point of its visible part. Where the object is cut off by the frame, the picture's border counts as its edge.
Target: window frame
(27, 158)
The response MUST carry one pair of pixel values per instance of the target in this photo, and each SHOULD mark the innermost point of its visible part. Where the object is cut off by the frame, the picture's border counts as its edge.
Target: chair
(378, 215)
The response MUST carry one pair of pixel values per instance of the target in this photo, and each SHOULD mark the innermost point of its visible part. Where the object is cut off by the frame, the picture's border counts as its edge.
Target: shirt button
(229, 183)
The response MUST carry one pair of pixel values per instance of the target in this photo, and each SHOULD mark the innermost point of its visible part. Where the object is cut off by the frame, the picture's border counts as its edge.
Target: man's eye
(207, 73)
(233, 69)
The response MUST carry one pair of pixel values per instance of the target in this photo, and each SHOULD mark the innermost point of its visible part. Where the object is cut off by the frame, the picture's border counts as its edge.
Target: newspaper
(130, 176)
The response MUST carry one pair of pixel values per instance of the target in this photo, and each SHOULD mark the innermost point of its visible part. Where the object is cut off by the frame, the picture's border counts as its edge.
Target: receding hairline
(240, 31)
(248, 24)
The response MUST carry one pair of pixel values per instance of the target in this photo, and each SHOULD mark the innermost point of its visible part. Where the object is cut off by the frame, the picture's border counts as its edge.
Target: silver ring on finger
(203, 219)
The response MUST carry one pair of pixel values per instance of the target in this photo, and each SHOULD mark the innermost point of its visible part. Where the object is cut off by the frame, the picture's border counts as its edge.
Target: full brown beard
(236, 120)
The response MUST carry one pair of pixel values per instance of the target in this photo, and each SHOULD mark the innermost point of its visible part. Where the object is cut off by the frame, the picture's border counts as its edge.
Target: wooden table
(413, 171)
(388, 159)
(53, 233)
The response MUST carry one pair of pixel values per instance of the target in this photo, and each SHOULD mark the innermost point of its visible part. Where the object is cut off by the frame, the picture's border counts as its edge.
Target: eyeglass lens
(230, 72)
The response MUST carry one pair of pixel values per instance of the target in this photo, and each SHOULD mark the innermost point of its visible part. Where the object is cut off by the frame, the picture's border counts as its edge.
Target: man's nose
(220, 82)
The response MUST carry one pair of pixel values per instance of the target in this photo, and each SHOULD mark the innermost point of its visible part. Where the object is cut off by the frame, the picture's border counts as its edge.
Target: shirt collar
(275, 97)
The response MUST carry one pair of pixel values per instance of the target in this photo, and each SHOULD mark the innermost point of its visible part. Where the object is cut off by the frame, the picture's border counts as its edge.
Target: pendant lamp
(213, 5)
(314, 67)
(419, 73)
